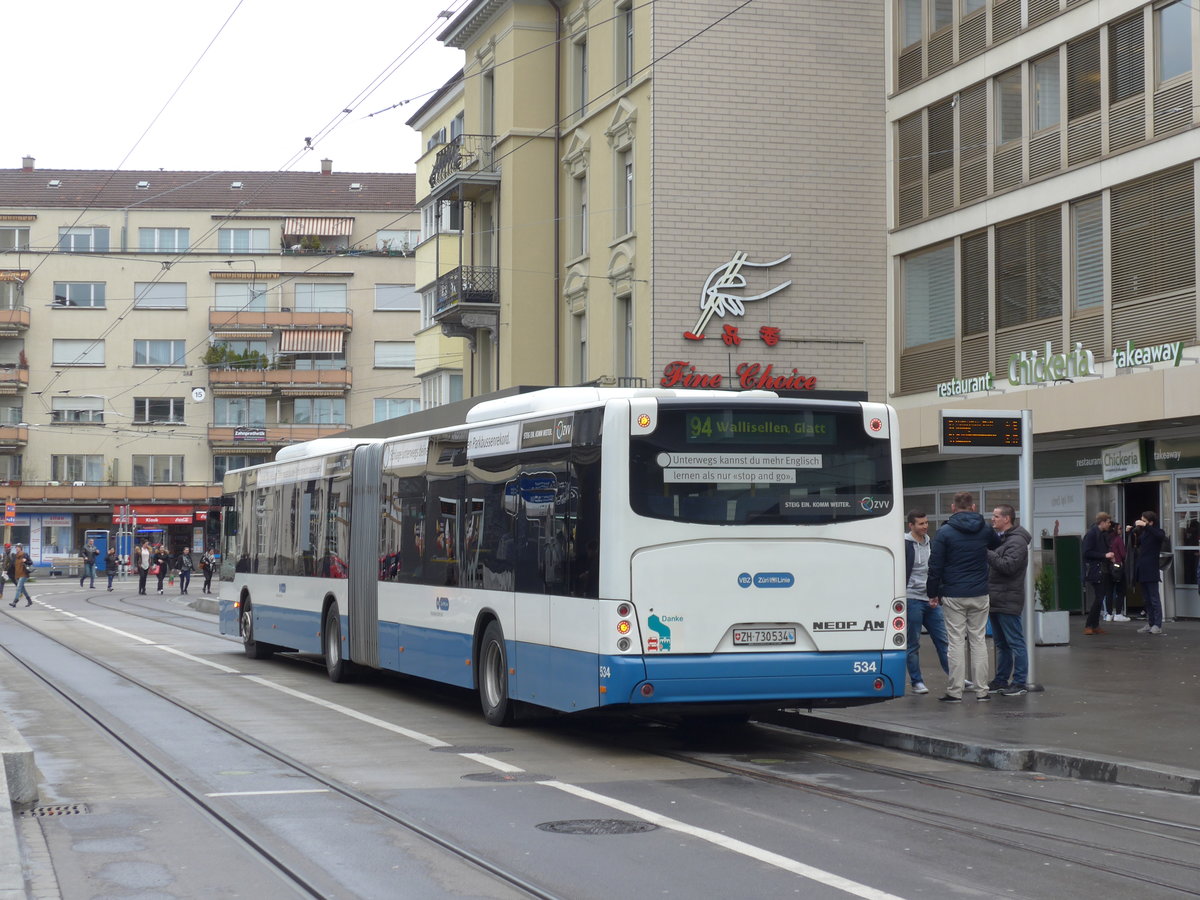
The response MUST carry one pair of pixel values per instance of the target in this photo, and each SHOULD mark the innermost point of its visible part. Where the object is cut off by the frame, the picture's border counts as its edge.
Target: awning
(318, 227)
(159, 515)
(300, 341)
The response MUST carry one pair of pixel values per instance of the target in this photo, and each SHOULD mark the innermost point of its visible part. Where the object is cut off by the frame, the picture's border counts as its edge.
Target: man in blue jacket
(958, 576)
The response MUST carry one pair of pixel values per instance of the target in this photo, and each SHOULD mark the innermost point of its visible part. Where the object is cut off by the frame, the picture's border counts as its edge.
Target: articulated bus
(668, 552)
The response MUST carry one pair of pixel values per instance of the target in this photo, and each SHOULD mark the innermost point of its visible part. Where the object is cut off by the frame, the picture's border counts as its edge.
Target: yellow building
(683, 193)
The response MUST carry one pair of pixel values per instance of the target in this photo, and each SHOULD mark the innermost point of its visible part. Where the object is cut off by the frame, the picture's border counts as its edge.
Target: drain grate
(597, 826)
(469, 748)
(67, 809)
(505, 776)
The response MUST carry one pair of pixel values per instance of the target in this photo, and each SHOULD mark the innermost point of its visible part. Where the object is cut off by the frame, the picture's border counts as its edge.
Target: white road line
(728, 843)
(267, 793)
(494, 763)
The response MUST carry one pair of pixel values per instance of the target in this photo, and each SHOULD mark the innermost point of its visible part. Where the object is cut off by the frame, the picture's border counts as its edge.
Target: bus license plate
(748, 636)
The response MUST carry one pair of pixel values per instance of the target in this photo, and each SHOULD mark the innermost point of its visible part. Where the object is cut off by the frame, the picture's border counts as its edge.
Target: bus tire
(492, 669)
(254, 649)
(335, 661)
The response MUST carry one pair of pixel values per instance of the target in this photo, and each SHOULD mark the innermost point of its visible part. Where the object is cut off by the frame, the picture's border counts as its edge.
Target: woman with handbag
(143, 560)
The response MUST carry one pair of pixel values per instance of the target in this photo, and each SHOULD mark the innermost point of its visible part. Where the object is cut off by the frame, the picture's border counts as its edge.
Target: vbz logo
(443, 603)
(744, 580)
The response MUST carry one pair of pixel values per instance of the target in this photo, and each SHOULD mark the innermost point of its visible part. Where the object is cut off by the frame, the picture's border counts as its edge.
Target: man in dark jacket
(1096, 550)
(1006, 592)
(958, 576)
(1146, 568)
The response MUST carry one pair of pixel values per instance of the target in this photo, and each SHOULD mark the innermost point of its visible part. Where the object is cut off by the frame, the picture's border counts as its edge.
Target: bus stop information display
(980, 431)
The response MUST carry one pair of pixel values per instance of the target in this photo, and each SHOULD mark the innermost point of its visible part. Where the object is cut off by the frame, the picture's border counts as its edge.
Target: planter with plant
(1051, 624)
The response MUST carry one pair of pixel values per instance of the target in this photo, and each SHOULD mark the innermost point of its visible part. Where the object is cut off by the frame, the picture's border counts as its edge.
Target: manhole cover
(69, 809)
(597, 826)
(467, 748)
(505, 776)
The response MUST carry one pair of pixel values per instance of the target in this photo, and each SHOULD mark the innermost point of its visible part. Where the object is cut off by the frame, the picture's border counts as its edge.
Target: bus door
(363, 584)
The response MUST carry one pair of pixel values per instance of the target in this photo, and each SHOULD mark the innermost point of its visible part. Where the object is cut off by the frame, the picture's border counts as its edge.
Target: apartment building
(1043, 256)
(159, 328)
(676, 193)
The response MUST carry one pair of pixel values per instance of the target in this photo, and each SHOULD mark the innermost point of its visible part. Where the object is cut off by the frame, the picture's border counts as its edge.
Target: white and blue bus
(666, 551)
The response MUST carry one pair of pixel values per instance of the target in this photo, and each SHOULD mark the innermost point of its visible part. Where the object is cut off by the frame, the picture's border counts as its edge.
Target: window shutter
(910, 167)
(940, 128)
(1088, 227)
(1083, 76)
(1029, 269)
(972, 143)
(1126, 59)
(1153, 238)
(974, 256)
(1006, 19)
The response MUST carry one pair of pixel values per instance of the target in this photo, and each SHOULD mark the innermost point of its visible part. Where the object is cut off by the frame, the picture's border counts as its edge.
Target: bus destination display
(725, 425)
(997, 433)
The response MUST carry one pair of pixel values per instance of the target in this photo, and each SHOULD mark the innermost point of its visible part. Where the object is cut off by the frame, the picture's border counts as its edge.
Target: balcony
(289, 382)
(13, 437)
(466, 163)
(262, 320)
(245, 438)
(14, 321)
(25, 493)
(13, 378)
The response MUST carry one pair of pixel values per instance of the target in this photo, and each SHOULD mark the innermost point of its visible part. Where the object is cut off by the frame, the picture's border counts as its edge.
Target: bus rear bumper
(825, 679)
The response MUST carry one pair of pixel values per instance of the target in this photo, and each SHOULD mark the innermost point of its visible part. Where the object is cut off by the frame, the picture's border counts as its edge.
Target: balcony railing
(266, 319)
(250, 436)
(297, 379)
(465, 153)
(13, 377)
(13, 319)
(467, 284)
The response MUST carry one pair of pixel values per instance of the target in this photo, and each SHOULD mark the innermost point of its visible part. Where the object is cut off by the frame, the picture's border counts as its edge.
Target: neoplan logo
(870, 625)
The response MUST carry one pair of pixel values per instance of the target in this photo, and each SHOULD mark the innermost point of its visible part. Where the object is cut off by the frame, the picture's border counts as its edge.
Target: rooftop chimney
(327, 166)
(27, 163)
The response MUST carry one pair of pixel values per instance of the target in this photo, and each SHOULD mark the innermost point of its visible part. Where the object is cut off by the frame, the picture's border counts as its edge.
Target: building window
(79, 293)
(1008, 107)
(76, 410)
(625, 336)
(316, 411)
(10, 466)
(163, 240)
(1087, 239)
(1029, 269)
(456, 125)
(239, 411)
(940, 138)
(436, 139)
(1173, 40)
(14, 239)
(397, 296)
(159, 353)
(158, 410)
(971, 6)
(12, 295)
(973, 264)
(441, 218)
(74, 352)
(487, 102)
(160, 294)
(393, 407)
(1153, 236)
(393, 241)
(579, 213)
(321, 296)
(441, 388)
(625, 201)
(157, 469)
(579, 51)
(912, 24)
(83, 240)
(941, 14)
(1083, 76)
(1126, 59)
(928, 282)
(77, 467)
(395, 354)
(243, 240)
(428, 304)
(237, 354)
(625, 41)
(240, 297)
(1047, 94)
(581, 339)
(230, 461)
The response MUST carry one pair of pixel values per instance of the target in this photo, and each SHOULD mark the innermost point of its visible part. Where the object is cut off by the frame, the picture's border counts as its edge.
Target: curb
(18, 788)
(1062, 763)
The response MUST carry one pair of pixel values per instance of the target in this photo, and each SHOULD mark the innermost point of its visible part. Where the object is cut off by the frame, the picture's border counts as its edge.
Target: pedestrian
(1096, 551)
(1115, 585)
(207, 563)
(1146, 568)
(111, 561)
(958, 576)
(88, 554)
(922, 610)
(1006, 601)
(160, 564)
(144, 559)
(21, 567)
(183, 562)
(5, 565)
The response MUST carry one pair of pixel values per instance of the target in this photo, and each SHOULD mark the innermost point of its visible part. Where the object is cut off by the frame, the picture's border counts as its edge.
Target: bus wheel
(254, 649)
(335, 663)
(493, 677)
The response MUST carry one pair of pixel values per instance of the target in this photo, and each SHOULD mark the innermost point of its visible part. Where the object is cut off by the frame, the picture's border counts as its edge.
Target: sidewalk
(1119, 707)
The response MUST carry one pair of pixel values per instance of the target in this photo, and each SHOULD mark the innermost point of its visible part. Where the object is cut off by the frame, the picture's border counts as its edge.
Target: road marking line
(728, 843)
(494, 763)
(267, 793)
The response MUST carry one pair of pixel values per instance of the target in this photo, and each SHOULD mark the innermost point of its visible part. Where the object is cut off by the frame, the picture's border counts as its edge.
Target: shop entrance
(1136, 498)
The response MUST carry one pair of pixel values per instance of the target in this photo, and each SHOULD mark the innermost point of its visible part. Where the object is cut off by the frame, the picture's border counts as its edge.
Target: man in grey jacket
(1006, 593)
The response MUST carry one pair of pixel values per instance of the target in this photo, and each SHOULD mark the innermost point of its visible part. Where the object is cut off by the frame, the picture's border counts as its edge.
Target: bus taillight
(623, 627)
(898, 606)
(879, 684)
(624, 610)
(899, 639)
(647, 690)
(898, 623)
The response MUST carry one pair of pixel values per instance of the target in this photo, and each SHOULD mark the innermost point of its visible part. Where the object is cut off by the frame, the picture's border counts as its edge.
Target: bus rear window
(766, 465)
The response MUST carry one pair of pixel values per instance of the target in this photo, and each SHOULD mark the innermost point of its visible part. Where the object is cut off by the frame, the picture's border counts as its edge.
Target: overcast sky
(83, 80)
